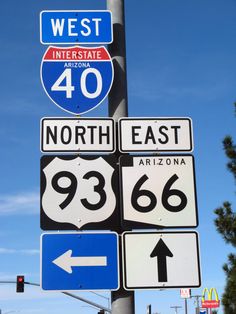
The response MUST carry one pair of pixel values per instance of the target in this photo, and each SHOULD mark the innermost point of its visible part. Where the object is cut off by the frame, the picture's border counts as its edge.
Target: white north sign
(155, 134)
(161, 260)
(77, 135)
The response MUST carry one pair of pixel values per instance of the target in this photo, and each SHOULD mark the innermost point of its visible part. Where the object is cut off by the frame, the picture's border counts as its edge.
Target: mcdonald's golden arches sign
(207, 298)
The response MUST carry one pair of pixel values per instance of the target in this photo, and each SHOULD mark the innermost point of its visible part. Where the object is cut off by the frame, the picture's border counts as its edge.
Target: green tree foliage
(226, 226)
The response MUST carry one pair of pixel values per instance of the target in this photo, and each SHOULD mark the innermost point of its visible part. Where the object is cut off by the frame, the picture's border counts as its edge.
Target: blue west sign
(77, 79)
(79, 261)
(71, 27)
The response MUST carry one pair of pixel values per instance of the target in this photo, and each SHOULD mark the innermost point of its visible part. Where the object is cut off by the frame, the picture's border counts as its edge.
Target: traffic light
(20, 282)
(101, 312)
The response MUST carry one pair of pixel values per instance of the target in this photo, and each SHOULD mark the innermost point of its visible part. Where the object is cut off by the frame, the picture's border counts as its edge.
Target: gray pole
(122, 300)
(197, 300)
(118, 106)
(186, 305)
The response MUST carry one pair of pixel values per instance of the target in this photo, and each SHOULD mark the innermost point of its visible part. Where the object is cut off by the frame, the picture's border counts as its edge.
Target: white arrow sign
(79, 261)
(66, 261)
(161, 259)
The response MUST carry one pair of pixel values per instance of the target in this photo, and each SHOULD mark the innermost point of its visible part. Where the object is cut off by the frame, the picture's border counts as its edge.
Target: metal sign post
(118, 106)
(122, 301)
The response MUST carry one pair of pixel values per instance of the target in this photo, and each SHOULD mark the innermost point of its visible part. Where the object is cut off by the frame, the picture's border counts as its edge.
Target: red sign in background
(210, 303)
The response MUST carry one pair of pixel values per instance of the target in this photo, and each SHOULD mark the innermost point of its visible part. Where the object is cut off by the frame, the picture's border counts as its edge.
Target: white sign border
(71, 43)
(139, 225)
(79, 150)
(156, 119)
(70, 47)
(78, 233)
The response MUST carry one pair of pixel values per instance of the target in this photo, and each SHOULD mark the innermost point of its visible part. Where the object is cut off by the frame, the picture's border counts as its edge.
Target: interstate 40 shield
(77, 79)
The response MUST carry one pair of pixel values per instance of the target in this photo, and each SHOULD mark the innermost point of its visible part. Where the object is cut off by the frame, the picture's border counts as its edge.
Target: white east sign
(155, 134)
(158, 191)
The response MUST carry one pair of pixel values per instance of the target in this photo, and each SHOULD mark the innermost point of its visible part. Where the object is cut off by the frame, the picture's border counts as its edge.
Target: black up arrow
(161, 251)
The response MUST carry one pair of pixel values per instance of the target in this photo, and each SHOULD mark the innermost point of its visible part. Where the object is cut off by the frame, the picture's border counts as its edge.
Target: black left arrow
(161, 251)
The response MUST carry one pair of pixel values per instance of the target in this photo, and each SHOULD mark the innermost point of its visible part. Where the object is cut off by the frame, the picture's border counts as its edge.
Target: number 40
(68, 88)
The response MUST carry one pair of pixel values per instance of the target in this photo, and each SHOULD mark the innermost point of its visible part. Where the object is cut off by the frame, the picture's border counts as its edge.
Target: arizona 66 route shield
(158, 191)
(77, 79)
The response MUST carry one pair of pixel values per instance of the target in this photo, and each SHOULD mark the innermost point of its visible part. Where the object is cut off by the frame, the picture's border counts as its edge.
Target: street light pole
(186, 306)
(197, 300)
(176, 307)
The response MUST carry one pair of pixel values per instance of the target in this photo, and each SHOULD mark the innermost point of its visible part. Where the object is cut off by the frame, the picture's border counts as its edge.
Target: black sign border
(155, 150)
(160, 286)
(79, 150)
(111, 223)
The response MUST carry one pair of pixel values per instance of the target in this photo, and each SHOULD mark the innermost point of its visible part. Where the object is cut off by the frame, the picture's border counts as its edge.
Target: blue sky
(180, 63)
